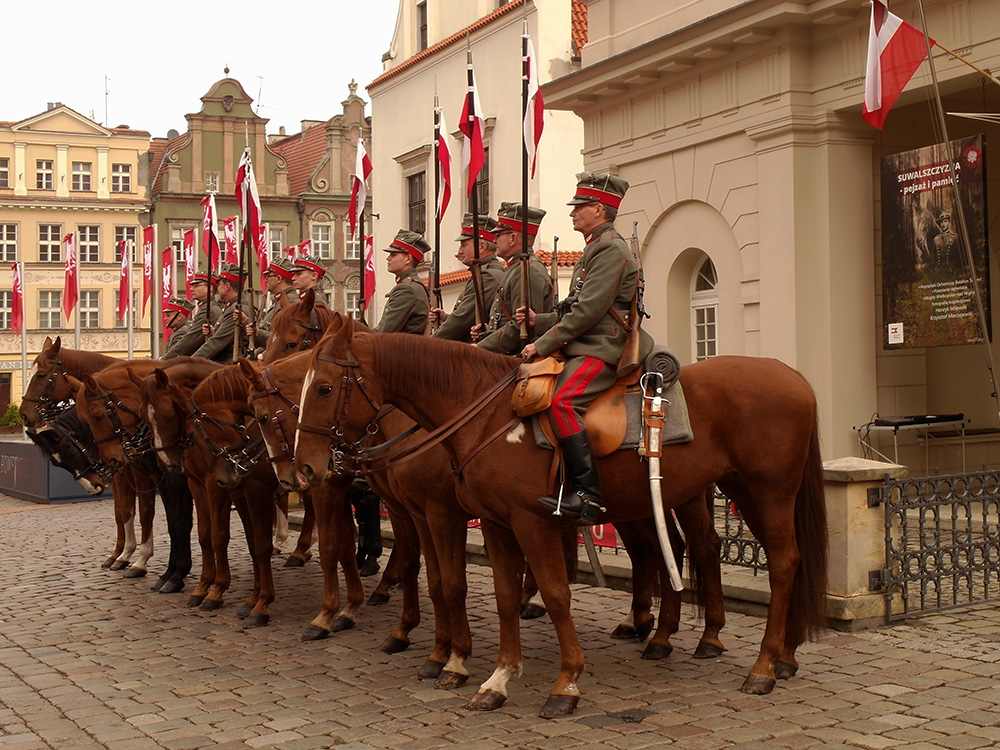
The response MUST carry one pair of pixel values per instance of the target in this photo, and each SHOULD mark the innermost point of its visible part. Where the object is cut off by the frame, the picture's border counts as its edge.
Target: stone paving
(89, 659)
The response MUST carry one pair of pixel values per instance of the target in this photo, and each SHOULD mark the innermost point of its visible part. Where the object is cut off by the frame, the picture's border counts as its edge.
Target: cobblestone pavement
(89, 659)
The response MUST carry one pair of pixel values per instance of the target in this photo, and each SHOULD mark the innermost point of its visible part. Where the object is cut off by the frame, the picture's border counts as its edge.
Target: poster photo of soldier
(928, 294)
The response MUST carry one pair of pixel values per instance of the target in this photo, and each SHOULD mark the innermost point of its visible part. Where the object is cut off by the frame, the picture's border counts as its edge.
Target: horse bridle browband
(311, 327)
(241, 456)
(133, 445)
(49, 409)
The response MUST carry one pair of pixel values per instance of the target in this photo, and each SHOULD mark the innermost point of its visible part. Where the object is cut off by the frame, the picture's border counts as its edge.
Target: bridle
(241, 456)
(47, 408)
(312, 326)
(134, 444)
(349, 380)
(278, 415)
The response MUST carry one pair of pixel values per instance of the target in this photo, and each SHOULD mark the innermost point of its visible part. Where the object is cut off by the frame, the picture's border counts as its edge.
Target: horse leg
(219, 508)
(449, 528)
(390, 578)
(119, 490)
(531, 601)
(695, 517)
(507, 561)
(147, 509)
(640, 621)
(126, 507)
(439, 656)
(178, 507)
(408, 546)
(301, 553)
(260, 513)
(280, 522)
(202, 501)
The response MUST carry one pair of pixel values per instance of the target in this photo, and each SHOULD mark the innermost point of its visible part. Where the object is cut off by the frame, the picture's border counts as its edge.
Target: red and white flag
(148, 237)
(534, 111)
(369, 268)
(209, 239)
(473, 126)
(17, 300)
(71, 285)
(248, 198)
(167, 275)
(359, 193)
(303, 249)
(261, 247)
(232, 244)
(895, 51)
(190, 262)
(443, 165)
(124, 282)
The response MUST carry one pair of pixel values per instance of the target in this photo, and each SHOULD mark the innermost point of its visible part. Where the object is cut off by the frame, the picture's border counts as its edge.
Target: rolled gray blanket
(665, 362)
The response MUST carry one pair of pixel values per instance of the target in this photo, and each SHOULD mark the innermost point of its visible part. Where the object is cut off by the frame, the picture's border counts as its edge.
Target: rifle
(629, 360)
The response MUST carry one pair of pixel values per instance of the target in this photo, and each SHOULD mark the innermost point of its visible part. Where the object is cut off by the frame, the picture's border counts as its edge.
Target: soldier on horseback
(206, 312)
(219, 344)
(278, 282)
(177, 318)
(306, 275)
(408, 303)
(589, 328)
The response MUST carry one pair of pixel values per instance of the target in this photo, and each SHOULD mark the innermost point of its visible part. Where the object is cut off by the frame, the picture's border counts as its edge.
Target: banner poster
(928, 298)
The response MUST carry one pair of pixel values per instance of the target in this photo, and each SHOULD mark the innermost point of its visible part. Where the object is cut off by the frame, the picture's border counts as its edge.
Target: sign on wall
(928, 296)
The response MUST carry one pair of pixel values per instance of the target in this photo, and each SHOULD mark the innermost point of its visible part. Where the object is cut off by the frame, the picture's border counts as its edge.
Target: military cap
(594, 187)
(178, 305)
(283, 268)
(205, 278)
(487, 228)
(411, 243)
(302, 263)
(231, 273)
(511, 218)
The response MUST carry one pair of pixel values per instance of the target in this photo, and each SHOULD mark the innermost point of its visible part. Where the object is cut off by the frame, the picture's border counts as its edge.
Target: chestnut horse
(755, 435)
(296, 328)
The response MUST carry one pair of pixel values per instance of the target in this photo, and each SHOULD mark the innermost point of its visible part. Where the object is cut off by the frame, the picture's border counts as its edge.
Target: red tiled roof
(454, 38)
(580, 29)
(302, 152)
(456, 277)
(566, 259)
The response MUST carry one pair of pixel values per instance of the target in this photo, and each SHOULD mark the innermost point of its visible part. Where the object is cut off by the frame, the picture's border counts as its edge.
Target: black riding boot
(584, 502)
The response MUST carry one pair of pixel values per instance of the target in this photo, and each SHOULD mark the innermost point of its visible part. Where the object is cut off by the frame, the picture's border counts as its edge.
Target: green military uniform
(407, 306)
(459, 323)
(504, 334)
(267, 314)
(219, 346)
(185, 341)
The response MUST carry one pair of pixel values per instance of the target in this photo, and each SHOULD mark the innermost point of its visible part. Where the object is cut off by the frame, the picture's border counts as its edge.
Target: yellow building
(61, 173)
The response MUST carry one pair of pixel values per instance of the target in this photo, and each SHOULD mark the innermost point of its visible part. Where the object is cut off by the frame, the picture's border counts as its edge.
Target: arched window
(704, 311)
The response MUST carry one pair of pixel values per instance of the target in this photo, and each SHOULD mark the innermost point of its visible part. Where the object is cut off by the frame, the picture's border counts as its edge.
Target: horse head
(296, 328)
(274, 399)
(232, 444)
(68, 444)
(166, 414)
(108, 403)
(48, 385)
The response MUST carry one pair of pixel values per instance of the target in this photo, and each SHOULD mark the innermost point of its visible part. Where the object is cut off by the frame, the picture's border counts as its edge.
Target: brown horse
(755, 435)
(296, 328)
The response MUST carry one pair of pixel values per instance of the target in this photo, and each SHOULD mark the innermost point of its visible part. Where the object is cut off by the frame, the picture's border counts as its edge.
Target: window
(211, 182)
(43, 174)
(416, 202)
(352, 247)
(132, 311)
(49, 243)
(121, 178)
(128, 234)
(6, 301)
(89, 244)
(483, 187)
(353, 304)
(4, 173)
(704, 311)
(90, 310)
(8, 242)
(321, 241)
(48, 309)
(421, 26)
(81, 175)
(275, 243)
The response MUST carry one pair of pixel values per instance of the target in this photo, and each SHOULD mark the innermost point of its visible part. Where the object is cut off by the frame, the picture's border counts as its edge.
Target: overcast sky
(294, 59)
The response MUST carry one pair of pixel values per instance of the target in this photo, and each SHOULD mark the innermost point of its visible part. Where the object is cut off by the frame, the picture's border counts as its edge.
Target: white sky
(306, 52)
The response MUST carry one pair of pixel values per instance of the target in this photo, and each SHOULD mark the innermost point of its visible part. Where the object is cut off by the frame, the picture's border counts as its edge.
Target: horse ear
(343, 336)
(47, 343)
(308, 301)
(73, 382)
(56, 345)
(284, 302)
(91, 383)
(134, 377)
(249, 372)
(161, 378)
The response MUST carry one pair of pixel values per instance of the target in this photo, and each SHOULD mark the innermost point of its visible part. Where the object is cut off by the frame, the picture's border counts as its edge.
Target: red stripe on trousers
(563, 415)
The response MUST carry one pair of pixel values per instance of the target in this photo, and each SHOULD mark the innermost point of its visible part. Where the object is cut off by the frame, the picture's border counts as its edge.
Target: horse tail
(807, 616)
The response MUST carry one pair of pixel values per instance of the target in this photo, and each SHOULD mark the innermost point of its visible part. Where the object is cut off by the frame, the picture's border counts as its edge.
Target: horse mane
(78, 362)
(227, 384)
(444, 366)
(283, 320)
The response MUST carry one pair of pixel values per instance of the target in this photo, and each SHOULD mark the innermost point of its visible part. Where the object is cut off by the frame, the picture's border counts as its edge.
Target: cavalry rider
(277, 282)
(408, 302)
(458, 325)
(219, 344)
(206, 312)
(306, 274)
(590, 329)
(503, 334)
(177, 318)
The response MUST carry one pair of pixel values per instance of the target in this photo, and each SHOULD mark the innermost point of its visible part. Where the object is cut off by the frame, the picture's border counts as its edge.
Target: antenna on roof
(106, 92)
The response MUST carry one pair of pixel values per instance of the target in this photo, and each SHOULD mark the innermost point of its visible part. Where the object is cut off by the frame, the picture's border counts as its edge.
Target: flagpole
(156, 315)
(525, 286)
(76, 324)
(477, 269)
(24, 335)
(362, 261)
(129, 312)
(959, 209)
(436, 286)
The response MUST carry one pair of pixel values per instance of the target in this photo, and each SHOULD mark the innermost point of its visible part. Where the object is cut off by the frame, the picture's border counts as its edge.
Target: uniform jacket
(407, 307)
(219, 346)
(463, 317)
(506, 333)
(183, 344)
(267, 314)
(605, 277)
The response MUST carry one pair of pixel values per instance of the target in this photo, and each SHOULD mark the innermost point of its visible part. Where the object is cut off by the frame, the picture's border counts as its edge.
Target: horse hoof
(708, 651)
(314, 633)
(108, 563)
(294, 562)
(392, 645)
(656, 651)
(243, 611)
(195, 600)
(624, 633)
(431, 670)
(756, 684)
(158, 583)
(210, 605)
(341, 624)
(642, 632)
(256, 620)
(377, 599)
(531, 611)
(486, 700)
(451, 680)
(171, 586)
(119, 564)
(559, 705)
(784, 671)
(134, 573)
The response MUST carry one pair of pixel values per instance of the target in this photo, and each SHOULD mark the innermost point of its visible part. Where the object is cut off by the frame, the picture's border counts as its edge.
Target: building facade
(755, 185)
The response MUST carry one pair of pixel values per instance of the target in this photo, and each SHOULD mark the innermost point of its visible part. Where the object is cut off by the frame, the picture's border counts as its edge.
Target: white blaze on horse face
(500, 677)
(306, 385)
(517, 434)
(32, 372)
(151, 413)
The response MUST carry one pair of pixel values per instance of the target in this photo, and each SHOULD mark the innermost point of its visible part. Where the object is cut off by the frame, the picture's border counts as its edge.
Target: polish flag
(232, 245)
(71, 285)
(362, 170)
(444, 165)
(167, 275)
(148, 237)
(535, 106)
(210, 240)
(17, 300)
(124, 282)
(248, 198)
(303, 249)
(895, 51)
(369, 268)
(473, 126)
(190, 262)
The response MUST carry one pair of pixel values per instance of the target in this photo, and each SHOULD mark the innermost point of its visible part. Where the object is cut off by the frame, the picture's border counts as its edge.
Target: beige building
(428, 55)
(60, 173)
(755, 185)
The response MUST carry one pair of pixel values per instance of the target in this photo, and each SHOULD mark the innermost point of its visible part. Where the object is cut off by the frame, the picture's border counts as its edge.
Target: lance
(436, 285)
(363, 261)
(525, 281)
(477, 269)
(554, 269)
